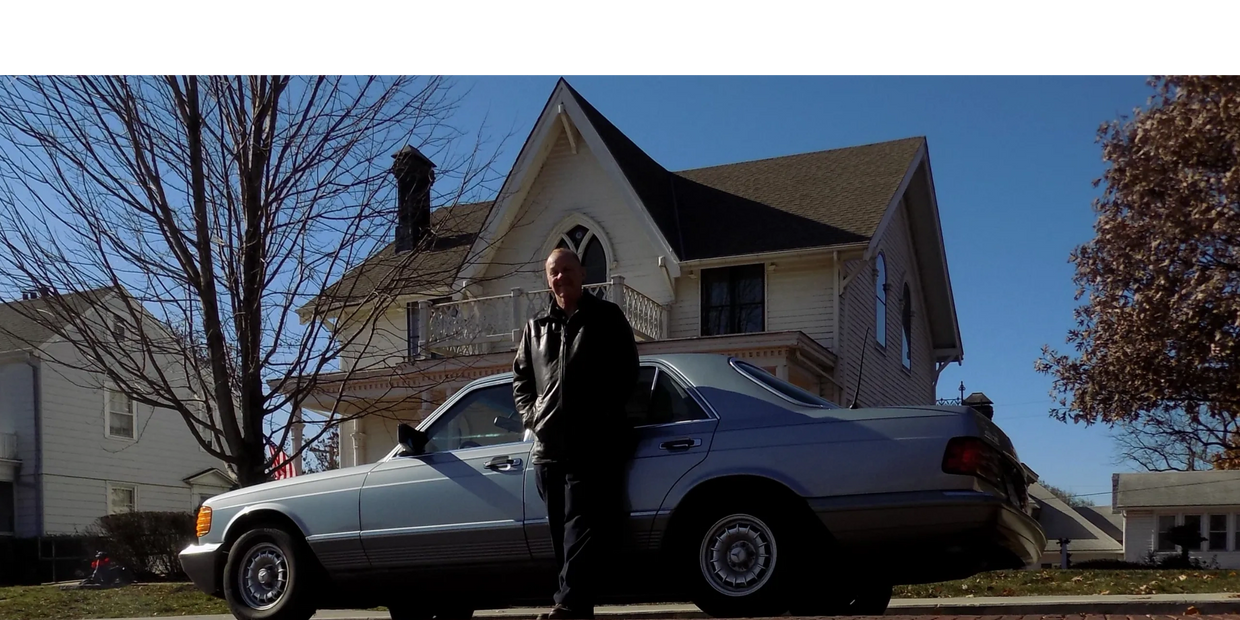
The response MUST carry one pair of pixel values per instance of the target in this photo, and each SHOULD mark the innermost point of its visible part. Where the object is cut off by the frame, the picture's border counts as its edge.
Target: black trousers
(586, 512)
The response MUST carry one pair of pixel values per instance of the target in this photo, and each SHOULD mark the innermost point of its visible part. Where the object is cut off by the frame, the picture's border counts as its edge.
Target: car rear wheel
(741, 562)
(269, 577)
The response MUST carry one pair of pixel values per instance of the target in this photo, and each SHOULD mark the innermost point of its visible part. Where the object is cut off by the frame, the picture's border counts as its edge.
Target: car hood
(279, 488)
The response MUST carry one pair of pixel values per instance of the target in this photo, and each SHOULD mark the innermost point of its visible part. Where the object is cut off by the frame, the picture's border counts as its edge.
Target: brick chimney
(414, 176)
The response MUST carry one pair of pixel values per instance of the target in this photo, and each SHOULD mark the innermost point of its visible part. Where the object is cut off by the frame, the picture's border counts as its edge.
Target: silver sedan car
(746, 494)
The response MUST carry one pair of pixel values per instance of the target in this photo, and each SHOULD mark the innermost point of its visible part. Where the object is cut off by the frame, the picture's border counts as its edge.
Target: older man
(574, 371)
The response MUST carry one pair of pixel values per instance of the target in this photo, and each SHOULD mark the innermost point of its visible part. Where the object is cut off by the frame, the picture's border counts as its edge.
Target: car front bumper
(204, 566)
(925, 537)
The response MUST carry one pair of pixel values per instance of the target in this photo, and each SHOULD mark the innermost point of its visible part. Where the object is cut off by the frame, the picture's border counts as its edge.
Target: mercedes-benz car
(747, 495)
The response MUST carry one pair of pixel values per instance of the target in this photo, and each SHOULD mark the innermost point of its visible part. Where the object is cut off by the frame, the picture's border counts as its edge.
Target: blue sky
(1013, 162)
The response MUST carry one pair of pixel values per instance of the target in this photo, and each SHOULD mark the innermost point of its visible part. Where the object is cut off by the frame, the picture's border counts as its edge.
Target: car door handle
(681, 444)
(503, 463)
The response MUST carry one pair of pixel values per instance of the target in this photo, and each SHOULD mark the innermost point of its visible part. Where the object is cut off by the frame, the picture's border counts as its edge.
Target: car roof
(695, 366)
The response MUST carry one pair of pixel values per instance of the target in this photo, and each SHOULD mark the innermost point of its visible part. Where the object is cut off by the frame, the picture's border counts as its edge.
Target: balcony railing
(494, 324)
(8, 446)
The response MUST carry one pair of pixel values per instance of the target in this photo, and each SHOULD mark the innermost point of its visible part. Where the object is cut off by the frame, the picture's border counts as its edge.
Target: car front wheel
(741, 563)
(268, 577)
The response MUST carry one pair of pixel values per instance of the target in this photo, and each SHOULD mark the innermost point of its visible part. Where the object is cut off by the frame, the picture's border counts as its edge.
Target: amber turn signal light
(204, 521)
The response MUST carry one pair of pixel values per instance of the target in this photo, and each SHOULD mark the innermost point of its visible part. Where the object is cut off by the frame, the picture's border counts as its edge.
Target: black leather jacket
(572, 380)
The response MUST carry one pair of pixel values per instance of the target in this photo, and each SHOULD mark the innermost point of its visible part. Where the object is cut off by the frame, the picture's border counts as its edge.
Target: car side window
(484, 417)
(659, 399)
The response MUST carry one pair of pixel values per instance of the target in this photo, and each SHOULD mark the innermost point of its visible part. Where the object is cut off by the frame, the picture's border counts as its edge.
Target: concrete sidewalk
(1160, 604)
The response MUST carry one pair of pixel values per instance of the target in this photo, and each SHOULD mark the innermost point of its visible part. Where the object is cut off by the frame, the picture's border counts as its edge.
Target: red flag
(284, 467)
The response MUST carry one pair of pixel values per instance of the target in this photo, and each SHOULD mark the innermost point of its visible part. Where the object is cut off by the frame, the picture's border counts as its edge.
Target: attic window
(589, 249)
(906, 325)
(118, 329)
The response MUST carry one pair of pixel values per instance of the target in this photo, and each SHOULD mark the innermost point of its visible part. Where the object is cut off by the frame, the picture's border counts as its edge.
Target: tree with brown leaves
(210, 221)
(1158, 338)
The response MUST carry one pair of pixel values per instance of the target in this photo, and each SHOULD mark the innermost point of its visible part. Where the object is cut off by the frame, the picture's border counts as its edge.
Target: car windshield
(781, 387)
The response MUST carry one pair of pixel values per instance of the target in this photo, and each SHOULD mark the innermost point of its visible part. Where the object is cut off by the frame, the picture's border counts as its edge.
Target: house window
(1194, 523)
(118, 329)
(733, 300)
(120, 414)
(906, 323)
(880, 303)
(589, 249)
(1165, 523)
(1218, 533)
(122, 498)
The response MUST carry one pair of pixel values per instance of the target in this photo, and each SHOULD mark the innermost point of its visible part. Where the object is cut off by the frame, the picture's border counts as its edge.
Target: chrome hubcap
(264, 577)
(738, 555)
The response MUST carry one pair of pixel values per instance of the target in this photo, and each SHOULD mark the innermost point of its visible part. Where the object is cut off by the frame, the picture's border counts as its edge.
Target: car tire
(740, 559)
(269, 575)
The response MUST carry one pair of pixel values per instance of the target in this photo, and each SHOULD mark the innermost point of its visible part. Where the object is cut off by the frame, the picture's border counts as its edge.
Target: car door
(462, 501)
(674, 432)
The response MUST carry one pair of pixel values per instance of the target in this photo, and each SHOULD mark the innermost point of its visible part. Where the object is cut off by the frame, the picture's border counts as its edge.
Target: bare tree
(1157, 342)
(325, 453)
(219, 227)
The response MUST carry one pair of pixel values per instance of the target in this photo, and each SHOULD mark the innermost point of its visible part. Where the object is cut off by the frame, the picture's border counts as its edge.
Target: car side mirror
(509, 424)
(412, 441)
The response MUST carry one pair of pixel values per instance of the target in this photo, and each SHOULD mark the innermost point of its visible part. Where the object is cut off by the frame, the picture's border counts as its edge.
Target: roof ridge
(790, 155)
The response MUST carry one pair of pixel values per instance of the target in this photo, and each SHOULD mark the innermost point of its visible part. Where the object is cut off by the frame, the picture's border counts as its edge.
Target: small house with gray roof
(1153, 503)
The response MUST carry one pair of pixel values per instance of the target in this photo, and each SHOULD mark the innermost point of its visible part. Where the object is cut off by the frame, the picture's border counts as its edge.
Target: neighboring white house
(1153, 503)
(797, 263)
(73, 450)
(1091, 534)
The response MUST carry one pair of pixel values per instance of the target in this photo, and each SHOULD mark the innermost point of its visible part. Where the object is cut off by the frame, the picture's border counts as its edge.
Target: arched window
(880, 302)
(587, 246)
(906, 354)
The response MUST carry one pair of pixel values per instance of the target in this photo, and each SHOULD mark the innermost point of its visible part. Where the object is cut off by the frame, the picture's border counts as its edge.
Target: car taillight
(204, 521)
(970, 456)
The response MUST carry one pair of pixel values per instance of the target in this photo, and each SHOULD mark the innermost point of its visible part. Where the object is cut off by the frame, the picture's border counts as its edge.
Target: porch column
(518, 313)
(424, 327)
(781, 371)
(296, 421)
(359, 442)
(615, 292)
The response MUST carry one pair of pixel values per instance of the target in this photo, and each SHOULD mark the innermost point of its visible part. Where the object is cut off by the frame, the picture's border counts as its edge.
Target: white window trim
(121, 485)
(886, 274)
(107, 415)
(1233, 522)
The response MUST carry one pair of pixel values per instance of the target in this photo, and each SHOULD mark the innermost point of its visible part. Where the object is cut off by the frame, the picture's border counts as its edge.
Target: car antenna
(860, 368)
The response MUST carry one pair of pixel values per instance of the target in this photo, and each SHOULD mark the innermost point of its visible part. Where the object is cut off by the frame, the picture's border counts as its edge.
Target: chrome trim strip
(443, 527)
(333, 536)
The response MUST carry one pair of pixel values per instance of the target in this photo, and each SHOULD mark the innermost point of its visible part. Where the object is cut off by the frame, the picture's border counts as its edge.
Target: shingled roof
(18, 331)
(808, 200)
(796, 201)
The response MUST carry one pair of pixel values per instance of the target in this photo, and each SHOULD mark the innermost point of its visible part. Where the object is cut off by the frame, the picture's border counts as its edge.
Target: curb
(1118, 608)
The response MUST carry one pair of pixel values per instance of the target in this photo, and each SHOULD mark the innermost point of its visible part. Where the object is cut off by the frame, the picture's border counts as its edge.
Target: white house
(796, 263)
(72, 449)
(1153, 503)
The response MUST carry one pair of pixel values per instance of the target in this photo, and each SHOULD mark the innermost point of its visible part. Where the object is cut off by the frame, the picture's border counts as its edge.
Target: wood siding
(17, 417)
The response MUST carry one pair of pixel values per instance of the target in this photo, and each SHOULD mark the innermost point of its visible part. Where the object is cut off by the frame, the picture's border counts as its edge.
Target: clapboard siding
(17, 417)
(76, 448)
(1139, 529)
(384, 344)
(885, 380)
(569, 184)
(800, 297)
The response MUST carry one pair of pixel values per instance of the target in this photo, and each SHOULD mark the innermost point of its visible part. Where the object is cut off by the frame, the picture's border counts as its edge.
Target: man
(574, 371)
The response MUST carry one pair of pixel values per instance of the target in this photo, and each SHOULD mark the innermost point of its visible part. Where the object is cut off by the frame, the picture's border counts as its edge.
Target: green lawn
(1079, 582)
(176, 599)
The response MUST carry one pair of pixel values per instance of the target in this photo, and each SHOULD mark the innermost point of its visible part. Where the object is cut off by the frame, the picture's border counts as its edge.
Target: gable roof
(792, 202)
(18, 331)
(453, 230)
(1059, 520)
(1175, 488)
